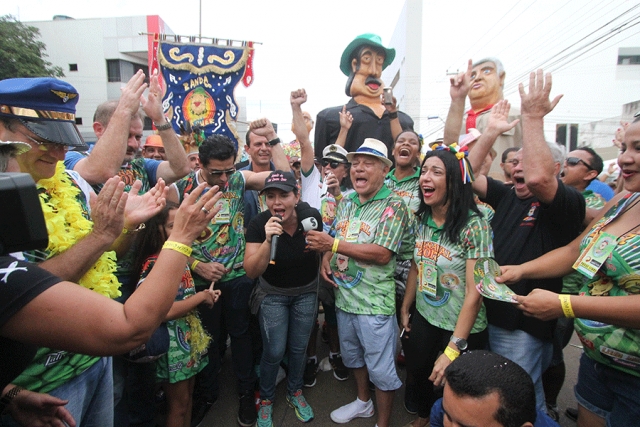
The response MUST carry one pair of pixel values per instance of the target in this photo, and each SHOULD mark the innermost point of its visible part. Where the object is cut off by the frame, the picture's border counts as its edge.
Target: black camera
(22, 226)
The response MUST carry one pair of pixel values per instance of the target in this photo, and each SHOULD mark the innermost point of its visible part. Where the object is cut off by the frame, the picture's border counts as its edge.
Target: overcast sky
(302, 42)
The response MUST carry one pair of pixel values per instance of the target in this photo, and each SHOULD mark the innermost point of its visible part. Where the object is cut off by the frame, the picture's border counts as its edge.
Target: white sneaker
(355, 409)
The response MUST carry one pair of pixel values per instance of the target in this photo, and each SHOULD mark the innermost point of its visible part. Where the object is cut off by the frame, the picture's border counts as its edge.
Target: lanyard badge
(595, 254)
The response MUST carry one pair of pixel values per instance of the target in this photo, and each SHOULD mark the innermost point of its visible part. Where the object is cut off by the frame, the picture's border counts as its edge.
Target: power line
(485, 34)
(542, 64)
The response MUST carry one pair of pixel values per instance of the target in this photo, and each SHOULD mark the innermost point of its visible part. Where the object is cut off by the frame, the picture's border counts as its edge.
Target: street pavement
(329, 394)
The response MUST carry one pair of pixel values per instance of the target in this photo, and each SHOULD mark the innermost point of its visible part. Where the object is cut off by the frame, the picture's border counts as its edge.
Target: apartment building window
(119, 70)
(113, 70)
(629, 56)
(628, 59)
(73, 67)
(79, 121)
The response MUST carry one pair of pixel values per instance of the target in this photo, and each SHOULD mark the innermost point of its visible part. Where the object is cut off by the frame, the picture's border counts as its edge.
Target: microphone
(309, 224)
(274, 246)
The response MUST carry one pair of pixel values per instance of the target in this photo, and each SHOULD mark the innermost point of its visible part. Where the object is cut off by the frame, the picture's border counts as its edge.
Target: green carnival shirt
(612, 345)
(572, 282)
(51, 368)
(383, 220)
(408, 188)
(450, 259)
(223, 239)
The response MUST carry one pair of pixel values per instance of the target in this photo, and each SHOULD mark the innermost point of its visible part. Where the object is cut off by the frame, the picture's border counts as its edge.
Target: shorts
(370, 340)
(608, 393)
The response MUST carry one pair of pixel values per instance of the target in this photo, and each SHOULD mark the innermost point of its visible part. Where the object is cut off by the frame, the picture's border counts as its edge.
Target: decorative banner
(200, 82)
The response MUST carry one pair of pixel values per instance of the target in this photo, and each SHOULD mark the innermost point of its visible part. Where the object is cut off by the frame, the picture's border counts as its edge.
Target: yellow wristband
(178, 247)
(451, 353)
(338, 197)
(194, 263)
(565, 302)
(334, 248)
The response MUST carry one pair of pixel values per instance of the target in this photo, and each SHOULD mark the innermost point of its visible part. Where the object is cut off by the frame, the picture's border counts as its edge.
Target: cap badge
(64, 95)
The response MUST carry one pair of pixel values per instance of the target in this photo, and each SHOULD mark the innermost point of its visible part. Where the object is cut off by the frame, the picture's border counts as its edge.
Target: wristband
(193, 265)
(274, 142)
(393, 115)
(565, 302)
(451, 353)
(165, 126)
(7, 398)
(334, 248)
(178, 247)
(338, 197)
(135, 230)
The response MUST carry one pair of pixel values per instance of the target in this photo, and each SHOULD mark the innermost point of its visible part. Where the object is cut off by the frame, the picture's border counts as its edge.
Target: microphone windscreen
(311, 223)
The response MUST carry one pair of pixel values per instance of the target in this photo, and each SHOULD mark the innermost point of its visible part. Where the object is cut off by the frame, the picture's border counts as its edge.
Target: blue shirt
(602, 189)
(252, 197)
(437, 417)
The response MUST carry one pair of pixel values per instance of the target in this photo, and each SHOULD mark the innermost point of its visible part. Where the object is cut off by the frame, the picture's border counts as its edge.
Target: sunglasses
(227, 172)
(574, 161)
(333, 163)
(295, 165)
(46, 145)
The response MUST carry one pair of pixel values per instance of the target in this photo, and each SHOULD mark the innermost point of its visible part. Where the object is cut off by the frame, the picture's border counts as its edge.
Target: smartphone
(387, 94)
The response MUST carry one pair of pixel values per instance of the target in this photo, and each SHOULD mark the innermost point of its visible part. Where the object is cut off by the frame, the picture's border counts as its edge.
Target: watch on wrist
(162, 127)
(461, 343)
(274, 141)
(8, 397)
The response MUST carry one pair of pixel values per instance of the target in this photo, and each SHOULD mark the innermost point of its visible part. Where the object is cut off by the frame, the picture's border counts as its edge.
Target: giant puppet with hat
(362, 62)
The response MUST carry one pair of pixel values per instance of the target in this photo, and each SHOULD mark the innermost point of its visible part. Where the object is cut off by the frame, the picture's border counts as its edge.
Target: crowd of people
(154, 259)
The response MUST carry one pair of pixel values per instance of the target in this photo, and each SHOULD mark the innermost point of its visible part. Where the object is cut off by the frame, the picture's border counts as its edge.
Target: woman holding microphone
(286, 292)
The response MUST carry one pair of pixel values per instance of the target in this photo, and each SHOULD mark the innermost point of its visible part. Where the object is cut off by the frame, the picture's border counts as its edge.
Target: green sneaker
(264, 414)
(302, 408)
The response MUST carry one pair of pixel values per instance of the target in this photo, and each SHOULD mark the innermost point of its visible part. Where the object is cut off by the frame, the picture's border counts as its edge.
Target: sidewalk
(329, 394)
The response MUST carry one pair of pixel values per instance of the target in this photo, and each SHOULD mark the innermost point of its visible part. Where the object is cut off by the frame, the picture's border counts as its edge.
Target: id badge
(595, 254)
(428, 277)
(353, 231)
(224, 215)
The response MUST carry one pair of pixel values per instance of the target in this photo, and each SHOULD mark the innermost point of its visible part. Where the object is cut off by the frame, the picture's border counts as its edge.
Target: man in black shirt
(538, 214)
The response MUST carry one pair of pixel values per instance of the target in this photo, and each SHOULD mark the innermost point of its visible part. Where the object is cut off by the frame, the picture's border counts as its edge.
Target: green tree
(22, 53)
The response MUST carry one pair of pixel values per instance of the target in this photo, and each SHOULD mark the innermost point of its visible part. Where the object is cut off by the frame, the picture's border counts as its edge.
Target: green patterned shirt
(408, 188)
(383, 220)
(571, 283)
(223, 240)
(431, 242)
(614, 346)
(51, 368)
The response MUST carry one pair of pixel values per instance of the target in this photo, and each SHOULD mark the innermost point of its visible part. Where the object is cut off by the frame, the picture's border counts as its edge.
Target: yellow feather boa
(199, 339)
(66, 225)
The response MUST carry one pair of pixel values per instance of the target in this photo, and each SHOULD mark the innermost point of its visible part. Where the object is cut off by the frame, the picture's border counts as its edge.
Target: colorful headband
(461, 154)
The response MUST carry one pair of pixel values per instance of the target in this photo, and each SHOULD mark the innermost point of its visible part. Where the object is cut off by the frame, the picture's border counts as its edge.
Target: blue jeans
(234, 306)
(531, 353)
(90, 396)
(608, 393)
(286, 323)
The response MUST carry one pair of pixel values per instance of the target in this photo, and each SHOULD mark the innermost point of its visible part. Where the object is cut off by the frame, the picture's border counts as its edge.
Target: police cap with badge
(44, 105)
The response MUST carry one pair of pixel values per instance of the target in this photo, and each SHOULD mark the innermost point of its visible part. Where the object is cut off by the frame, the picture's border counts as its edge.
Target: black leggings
(421, 350)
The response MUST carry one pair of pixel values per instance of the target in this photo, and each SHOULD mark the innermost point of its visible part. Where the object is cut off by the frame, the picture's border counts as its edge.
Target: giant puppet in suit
(363, 61)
